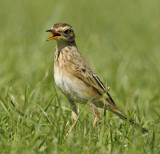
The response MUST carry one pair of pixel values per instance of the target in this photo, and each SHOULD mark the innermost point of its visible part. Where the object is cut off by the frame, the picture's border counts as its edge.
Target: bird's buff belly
(72, 87)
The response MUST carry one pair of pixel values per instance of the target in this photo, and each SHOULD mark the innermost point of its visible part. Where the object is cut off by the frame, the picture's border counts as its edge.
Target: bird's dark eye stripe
(67, 31)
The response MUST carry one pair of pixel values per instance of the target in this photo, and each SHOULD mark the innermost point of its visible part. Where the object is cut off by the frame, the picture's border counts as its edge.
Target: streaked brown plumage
(76, 79)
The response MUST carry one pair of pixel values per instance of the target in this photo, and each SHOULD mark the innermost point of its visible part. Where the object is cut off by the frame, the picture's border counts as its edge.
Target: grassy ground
(120, 39)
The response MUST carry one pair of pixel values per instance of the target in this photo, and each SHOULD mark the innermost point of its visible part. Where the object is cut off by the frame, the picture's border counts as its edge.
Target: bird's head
(62, 32)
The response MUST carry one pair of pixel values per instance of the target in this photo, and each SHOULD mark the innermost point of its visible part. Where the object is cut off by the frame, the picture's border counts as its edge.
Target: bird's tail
(124, 117)
(114, 109)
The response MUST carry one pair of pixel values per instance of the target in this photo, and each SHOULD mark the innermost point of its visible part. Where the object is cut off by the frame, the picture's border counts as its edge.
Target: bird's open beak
(54, 36)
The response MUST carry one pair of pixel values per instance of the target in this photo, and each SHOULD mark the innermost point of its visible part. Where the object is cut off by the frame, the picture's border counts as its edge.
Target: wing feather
(84, 72)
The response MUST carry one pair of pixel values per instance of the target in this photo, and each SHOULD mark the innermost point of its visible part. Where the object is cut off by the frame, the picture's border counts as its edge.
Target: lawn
(120, 40)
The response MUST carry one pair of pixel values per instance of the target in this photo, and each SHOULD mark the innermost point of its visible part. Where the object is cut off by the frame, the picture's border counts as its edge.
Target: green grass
(120, 39)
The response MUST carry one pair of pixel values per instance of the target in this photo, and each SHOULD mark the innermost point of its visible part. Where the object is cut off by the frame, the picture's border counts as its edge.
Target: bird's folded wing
(92, 79)
(82, 70)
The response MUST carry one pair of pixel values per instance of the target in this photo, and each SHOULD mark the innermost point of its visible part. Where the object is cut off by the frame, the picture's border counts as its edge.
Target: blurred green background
(120, 40)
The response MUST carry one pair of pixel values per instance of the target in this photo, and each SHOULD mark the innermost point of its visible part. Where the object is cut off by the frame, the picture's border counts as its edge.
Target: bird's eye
(67, 31)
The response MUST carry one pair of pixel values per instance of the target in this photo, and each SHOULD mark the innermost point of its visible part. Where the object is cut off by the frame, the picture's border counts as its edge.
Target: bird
(77, 80)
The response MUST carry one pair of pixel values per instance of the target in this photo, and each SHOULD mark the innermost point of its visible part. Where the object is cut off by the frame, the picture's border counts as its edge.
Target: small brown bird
(76, 79)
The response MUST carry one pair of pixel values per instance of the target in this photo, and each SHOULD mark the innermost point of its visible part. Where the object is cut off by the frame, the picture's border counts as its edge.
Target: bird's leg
(74, 115)
(96, 112)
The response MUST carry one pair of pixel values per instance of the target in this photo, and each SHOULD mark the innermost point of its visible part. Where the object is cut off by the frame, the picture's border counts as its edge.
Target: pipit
(76, 79)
